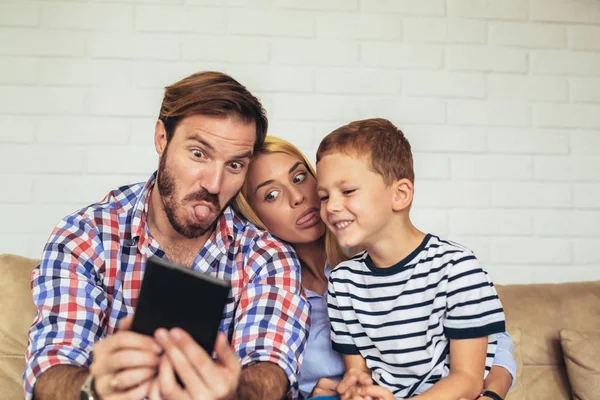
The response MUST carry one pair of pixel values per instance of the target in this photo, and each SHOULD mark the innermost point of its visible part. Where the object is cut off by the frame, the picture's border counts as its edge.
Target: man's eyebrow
(198, 138)
(296, 165)
(247, 154)
(263, 184)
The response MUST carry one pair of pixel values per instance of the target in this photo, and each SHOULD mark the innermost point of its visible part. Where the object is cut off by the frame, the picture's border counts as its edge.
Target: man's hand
(124, 364)
(324, 387)
(203, 378)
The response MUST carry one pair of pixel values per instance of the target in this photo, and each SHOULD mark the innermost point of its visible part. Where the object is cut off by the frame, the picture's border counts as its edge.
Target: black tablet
(175, 296)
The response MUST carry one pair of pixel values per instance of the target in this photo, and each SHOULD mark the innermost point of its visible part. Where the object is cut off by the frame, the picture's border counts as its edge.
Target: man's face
(201, 169)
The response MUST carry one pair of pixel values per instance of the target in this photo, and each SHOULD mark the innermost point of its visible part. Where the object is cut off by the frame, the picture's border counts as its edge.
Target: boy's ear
(403, 191)
(160, 137)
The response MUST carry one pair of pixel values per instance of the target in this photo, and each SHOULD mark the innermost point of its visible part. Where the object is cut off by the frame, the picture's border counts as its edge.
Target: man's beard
(168, 192)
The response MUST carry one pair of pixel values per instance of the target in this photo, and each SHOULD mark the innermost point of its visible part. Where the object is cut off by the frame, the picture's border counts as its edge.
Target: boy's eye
(272, 195)
(347, 192)
(299, 178)
(323, 198)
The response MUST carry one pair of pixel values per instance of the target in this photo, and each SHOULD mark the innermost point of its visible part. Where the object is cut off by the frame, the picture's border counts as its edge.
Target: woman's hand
(325, 387)
(353, 380)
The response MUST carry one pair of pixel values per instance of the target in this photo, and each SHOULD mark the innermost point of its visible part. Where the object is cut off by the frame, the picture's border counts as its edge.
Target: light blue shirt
(321, 361)
(504, 356)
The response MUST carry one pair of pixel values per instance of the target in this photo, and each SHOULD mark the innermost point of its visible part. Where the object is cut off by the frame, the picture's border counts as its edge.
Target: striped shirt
(91, 272)
(400, 319)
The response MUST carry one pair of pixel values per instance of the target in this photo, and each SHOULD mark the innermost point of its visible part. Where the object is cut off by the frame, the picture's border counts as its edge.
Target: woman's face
(283, 194)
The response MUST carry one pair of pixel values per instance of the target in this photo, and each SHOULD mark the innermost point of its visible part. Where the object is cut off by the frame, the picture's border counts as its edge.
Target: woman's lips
(308, 218)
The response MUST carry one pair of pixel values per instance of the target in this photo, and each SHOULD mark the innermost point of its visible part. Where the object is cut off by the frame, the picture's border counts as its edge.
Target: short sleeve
(473, 307)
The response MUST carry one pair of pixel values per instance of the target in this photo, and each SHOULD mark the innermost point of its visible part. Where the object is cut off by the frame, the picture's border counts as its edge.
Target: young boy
(414, 312)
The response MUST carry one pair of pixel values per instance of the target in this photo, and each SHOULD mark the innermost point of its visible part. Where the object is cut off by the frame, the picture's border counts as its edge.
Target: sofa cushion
(582, 355)
(16, 304)
(542, 310)
(16, 315)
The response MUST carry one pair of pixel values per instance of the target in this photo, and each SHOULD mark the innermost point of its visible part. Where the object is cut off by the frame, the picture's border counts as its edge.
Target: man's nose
(212, 179)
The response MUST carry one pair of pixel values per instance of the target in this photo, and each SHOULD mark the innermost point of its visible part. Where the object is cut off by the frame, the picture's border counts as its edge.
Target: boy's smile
(356, 205)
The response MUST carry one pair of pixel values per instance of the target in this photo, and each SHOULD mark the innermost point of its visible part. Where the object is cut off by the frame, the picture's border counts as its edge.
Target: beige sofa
(536, 315)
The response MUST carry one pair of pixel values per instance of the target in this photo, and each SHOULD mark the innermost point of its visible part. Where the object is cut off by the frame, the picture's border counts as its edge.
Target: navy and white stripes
(400, 318)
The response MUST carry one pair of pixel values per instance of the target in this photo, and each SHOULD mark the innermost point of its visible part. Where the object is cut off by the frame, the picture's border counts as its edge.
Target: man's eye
(272, 195)
(300, 177)
(236, 165)
(197, 153)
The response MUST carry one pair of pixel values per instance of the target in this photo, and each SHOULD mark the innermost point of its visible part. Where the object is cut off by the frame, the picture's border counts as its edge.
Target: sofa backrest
(16, 315)
(540, 311)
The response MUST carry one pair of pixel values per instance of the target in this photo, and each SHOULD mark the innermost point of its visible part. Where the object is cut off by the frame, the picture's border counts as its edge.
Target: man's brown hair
(214, 94)
(378, 139)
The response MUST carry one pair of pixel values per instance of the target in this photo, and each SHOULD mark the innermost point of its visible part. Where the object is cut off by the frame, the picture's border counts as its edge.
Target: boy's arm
(467, 363)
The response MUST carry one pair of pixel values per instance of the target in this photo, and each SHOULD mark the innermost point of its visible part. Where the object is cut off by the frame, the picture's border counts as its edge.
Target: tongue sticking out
(201, 212)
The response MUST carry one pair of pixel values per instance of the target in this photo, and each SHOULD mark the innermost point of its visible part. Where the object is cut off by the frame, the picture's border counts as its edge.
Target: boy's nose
(333, 205)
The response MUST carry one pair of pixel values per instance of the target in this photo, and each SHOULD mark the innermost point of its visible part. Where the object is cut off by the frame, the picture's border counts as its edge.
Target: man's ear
(160, 137)
(403, 191)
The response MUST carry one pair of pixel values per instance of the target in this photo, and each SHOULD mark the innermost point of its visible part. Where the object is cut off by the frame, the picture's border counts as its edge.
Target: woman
(280, 195)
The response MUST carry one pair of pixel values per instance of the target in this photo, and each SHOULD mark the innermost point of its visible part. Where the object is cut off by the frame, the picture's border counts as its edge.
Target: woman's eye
(271, 196)
(300, 177)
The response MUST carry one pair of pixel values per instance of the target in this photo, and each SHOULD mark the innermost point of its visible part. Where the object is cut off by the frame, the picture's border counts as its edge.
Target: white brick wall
(499, 98)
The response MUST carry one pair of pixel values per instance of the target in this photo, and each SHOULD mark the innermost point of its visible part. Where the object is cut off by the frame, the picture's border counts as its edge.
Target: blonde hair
(272, 144)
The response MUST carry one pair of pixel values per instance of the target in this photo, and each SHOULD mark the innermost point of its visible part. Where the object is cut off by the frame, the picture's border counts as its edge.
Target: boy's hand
(376, 393)
(353, 380)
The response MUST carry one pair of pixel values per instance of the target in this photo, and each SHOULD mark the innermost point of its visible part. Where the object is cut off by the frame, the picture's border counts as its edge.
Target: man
(90, 273)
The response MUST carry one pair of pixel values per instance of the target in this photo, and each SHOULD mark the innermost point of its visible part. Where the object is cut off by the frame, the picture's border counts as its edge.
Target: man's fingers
(130, 378)
(180, 359)
(154, 390)
(127, 340)
(124, 324)
(225, 353)
(138, 392)
(169, 388)
(122, 360)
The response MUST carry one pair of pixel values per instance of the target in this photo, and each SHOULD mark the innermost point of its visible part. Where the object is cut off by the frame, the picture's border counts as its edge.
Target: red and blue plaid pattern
(91, 271)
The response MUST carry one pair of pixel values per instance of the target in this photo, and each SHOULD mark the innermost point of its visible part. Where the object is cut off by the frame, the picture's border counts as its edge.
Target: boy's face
(356, 204)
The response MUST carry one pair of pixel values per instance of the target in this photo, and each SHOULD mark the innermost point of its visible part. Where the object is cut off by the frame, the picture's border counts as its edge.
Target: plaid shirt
(92, 267)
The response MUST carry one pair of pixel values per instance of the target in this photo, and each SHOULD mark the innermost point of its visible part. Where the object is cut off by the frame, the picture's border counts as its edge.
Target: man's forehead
(219, 130)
